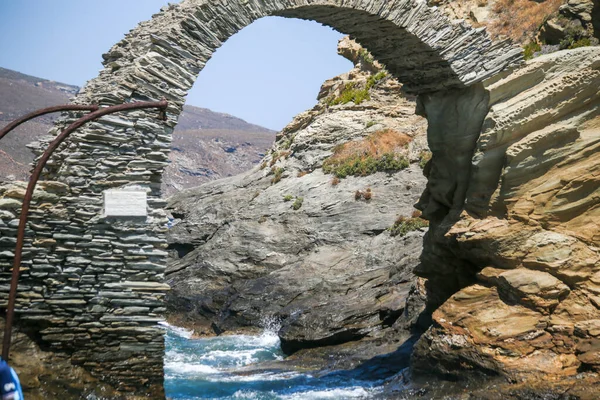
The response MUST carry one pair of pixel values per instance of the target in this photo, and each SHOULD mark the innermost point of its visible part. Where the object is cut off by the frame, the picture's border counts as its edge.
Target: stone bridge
(92, 283)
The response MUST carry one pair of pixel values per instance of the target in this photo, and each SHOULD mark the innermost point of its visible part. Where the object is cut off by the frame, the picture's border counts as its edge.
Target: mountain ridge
(200, 154)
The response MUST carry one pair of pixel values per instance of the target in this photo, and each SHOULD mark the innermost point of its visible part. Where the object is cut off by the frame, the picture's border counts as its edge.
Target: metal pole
(10, 311)
(44, 111)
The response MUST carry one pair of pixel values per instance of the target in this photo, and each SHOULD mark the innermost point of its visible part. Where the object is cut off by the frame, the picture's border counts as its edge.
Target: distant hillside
(203, 118)
(208, 145)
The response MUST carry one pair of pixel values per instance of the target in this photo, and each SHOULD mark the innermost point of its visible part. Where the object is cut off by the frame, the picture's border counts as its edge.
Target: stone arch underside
(97, 281)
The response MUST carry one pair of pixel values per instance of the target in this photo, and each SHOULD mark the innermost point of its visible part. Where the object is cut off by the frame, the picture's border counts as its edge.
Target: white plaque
(125, 203)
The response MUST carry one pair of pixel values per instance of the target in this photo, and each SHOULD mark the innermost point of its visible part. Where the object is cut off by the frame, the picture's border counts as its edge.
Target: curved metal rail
(35, 176)
(44, 111)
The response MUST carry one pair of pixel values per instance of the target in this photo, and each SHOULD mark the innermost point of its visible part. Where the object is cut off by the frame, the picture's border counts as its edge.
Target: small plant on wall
(298, 203)
(404, 225)
(424, 158)
(277, 175)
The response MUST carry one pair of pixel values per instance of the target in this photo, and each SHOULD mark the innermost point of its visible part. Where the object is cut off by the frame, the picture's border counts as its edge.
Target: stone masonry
(91, 285)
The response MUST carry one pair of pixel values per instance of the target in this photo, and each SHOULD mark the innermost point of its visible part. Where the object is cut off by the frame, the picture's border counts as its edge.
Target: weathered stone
(143, 286)
(534, 288)
(349, 281)
(10, 204)
(529, 225)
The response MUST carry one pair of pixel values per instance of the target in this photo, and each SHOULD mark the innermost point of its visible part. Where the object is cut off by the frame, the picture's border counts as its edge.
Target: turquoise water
(210, 369)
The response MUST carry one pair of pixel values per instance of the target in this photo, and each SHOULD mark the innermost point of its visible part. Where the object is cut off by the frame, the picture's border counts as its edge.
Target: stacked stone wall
(90, 287)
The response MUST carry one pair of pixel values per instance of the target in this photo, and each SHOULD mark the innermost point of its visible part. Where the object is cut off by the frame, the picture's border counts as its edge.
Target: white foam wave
(187, 369)
(177, 330)
(256, 377)
(239, 357)
(247, 395)
(326, 394)
(268, 339)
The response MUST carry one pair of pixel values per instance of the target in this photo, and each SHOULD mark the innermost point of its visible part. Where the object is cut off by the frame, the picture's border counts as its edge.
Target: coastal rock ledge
(509, 287)
(515, 272)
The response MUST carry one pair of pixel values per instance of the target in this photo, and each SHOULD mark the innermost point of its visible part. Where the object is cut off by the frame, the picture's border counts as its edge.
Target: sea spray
(213, 368)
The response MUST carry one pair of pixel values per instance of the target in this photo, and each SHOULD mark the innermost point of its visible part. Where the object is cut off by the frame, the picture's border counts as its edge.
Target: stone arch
(102, 284)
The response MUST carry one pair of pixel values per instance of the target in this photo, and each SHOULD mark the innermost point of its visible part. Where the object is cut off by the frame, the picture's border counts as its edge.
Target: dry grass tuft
(520, 19)
(377, 152)
(366, 195)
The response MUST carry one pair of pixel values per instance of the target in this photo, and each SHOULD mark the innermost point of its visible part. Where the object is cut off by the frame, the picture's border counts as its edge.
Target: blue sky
(266, 74)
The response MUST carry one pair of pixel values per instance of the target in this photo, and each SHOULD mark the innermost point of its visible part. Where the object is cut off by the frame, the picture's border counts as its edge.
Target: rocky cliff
(322, 237)
(510, 262)
(520, 258)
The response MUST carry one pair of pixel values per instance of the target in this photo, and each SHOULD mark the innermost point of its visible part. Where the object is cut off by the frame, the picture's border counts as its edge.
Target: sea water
(212, 368)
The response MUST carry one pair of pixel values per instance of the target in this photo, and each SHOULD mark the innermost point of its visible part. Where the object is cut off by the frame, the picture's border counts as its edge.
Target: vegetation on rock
(279, 155)
(521, 19)
(352, 91)
(366, 195)
(424, 158)
(530, 49)
(377, 152)
(403, 225)
(298, 203)
(278, 173)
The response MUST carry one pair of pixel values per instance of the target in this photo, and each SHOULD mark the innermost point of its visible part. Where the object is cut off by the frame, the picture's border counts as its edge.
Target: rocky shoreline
(512, 316)
(332, 273)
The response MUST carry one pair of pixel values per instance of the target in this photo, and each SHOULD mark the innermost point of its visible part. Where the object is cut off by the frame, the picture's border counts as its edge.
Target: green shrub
(404, 225)
(575, 38)
(583, 42)
(288, 197)
(355, 94)
(373, 79)
(370, 124)
(287, 143)
(529, 49)
(362, 166)
(366, 56)
(278, 155)
(350, 93)
(298, 203)
(278, 173)
(424, 157)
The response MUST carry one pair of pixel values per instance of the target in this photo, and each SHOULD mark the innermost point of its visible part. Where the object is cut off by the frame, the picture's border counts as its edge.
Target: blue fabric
(10, 387)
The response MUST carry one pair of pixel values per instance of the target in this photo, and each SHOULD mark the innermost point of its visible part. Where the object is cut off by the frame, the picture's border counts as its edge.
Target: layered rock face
(525, 248)
(288, 242)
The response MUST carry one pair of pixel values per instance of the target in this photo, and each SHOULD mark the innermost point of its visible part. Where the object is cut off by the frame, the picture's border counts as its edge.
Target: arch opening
(103, 265)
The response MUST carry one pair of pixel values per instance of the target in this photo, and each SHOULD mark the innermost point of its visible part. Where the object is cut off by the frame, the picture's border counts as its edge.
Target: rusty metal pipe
(44, 111)
(10, 311)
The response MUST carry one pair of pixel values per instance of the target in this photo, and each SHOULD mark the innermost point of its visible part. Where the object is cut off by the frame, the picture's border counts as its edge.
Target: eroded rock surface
(323, 263)
(525, 248)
